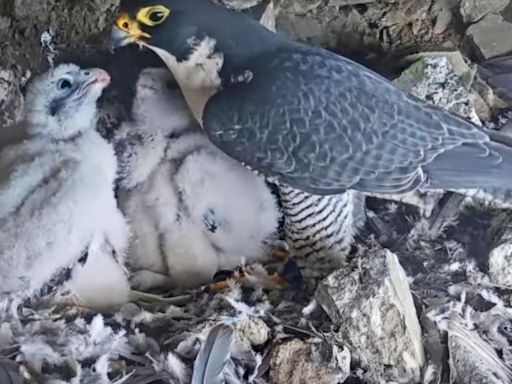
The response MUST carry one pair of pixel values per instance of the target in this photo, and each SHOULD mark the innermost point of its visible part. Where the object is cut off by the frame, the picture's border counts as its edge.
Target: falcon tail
(486, 166)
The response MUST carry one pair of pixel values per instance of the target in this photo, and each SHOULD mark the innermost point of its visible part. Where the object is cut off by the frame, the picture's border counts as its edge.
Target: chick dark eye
(156, 17)
(63, 84)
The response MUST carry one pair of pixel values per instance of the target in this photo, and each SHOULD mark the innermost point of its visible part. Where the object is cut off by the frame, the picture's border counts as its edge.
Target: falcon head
(179, 26)
(62, 102)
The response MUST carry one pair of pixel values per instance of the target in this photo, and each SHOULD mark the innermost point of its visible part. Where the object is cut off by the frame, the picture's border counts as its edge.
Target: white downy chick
(56, 185)
(193, 210)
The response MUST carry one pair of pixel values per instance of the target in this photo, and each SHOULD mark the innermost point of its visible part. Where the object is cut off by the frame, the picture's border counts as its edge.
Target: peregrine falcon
(193, 210)
(307, 117)
(57, 207)
(314, 226)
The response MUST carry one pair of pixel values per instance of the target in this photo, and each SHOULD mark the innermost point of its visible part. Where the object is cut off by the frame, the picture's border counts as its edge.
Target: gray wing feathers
(323, 124)
(468, 166)
(214, 356)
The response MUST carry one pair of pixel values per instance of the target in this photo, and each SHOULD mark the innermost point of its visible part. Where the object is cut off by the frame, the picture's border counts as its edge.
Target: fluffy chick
(193, 210)
(56, 187)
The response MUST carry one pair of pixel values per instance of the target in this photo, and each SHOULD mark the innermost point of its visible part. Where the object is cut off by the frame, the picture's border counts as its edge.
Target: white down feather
(56, 194)
(193, 210)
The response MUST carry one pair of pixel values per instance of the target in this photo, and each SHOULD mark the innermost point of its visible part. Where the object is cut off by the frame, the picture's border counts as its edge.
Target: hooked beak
(126, 31)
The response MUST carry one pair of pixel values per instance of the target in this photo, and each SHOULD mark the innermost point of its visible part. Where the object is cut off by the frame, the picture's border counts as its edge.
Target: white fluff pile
(193, 210)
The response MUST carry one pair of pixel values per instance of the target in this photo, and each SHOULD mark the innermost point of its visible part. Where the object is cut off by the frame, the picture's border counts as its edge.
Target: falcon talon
(279, 255)
(222, 275)
(220, 286)
(256, 275)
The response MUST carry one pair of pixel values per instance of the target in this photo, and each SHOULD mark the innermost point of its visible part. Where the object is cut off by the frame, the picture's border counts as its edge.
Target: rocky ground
(419, 300)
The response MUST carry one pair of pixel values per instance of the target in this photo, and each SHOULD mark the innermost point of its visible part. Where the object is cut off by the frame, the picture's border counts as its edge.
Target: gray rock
(500, 255)
(390, 25)
(443, 19)
(299, 7)
(486, 100)
(442, 79)
(500, 265)
(27, 8)
(443, 11)
(5, 24)
(254, 331)
(298, 362)
(349, 2)
(373, 306)
(343, 28)
(474, 10)
(11, 98)
(307, 28)
(405, 12)
(490, 37)
(268, 18)
(239, 4)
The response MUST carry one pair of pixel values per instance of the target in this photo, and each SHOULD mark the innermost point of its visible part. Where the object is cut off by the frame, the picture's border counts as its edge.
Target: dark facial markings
(65, 86)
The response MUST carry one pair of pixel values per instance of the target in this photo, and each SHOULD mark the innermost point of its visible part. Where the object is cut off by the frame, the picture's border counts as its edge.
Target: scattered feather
(213, 358)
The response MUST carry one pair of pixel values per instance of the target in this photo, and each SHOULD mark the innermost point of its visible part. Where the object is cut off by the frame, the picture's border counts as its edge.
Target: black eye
(87, 73)
(156, 16)
(63, 84)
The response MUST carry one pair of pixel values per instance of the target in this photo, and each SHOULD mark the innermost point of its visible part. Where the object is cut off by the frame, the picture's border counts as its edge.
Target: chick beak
(99, 79)
(126, 31)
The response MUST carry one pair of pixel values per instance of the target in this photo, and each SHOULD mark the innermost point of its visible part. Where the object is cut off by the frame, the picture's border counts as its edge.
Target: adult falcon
(307, 117)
